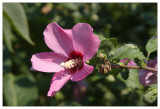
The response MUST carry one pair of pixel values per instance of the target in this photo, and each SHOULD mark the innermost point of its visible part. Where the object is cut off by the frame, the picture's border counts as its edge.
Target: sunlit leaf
(128, 52)
(131, 45)
(151, 45)
(16, 14)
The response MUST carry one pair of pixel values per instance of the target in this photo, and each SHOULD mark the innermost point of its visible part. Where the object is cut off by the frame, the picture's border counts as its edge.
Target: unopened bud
(102, 56)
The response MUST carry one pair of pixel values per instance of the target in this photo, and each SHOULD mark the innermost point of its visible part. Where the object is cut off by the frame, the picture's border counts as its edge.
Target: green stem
(148, 54)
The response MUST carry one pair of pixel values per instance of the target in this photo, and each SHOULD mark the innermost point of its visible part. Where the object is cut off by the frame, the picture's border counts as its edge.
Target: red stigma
(75, 54)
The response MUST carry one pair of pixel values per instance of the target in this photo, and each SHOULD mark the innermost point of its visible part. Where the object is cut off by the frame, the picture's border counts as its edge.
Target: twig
(135, 67)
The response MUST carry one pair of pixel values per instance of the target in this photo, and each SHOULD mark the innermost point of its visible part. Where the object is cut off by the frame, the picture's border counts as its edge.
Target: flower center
(77, 62)
(74, 62)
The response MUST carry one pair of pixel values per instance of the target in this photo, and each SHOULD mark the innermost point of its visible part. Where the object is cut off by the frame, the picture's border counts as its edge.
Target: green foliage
(17, 88)
(131, 45)
(133, 79)
(150, 96)
(101, 38)
(7, 63)
(128, 52)
(16, 15)
(7, 33)
(112, 40)
(70, 6)
(107, 44)
(151, 45)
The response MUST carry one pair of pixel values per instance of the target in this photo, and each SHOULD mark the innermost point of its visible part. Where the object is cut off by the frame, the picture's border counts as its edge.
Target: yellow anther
(71, 63)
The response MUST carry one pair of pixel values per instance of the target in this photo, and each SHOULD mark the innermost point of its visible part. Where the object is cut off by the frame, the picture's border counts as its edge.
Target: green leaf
(7, 33)
(112, 40)
(101, 38)
(128, 52)
(152, 85)
(19, 90)
(107, 44)
(151, 45)
(7, 62)
(131, 45)
(16, 14)
(9, 90)
(105, 47)
(133, 79)
(150, 96)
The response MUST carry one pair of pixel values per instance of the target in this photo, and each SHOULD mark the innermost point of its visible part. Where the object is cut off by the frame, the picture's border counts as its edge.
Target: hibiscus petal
(58, 39)
(82, 73)
(59, 79)
(131, 63)
(47, 62)
(123, 60)
(152, 63)
(84, 41)
(147, 77)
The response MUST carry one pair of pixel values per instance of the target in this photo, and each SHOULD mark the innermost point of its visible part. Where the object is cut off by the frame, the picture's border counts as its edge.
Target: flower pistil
(77, 62)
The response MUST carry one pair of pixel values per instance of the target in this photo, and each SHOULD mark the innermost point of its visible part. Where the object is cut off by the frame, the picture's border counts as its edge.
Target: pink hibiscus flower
(147, 77)
(72, 48)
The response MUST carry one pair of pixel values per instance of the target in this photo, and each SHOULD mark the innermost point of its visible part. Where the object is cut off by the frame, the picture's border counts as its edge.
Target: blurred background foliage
(23, 26)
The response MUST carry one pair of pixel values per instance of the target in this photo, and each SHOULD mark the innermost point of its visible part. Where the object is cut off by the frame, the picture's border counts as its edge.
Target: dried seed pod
(105, 67)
